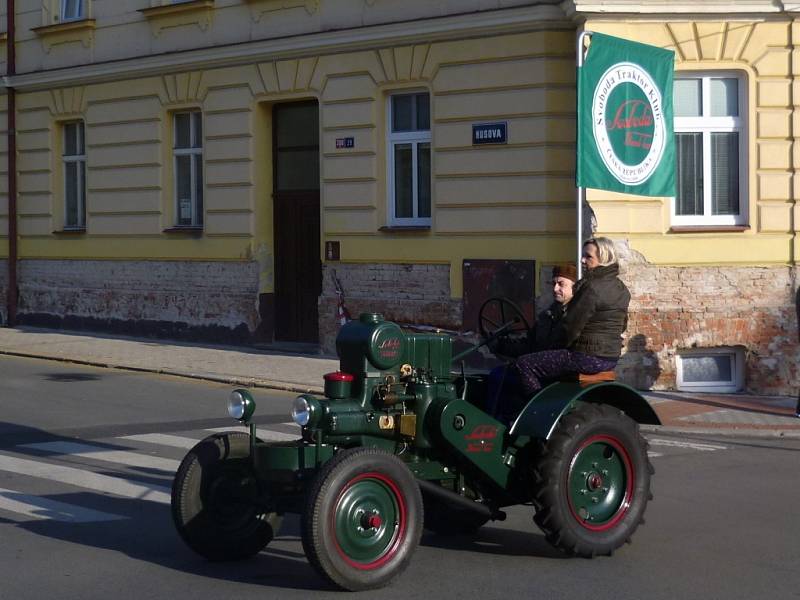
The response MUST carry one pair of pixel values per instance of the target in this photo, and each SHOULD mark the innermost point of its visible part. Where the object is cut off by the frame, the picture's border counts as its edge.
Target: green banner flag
(626, 141)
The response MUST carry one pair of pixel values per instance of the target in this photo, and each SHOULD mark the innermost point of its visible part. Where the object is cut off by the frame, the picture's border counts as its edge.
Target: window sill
(72, 231)
(190, 230)
(194, 12)
(81, 30)
(404, 228)
(707, 228)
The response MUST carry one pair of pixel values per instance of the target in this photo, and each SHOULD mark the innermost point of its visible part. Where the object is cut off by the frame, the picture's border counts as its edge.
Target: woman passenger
(594, 324)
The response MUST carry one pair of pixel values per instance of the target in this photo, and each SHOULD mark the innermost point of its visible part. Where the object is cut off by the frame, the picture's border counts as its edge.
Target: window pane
(297, 170)
(183, 137)
(688, 98)
(724, 98)
(81, 138)
(183, 180)
(297, 125)
(689, 176)
(707, 368)
(71, 194)
(71, 139)
(82, 192)
(403, 181)
(71, 9)
(198, 183)
(423, 112)
(403, 113)
(424, 180)
(197, 124)
(725, 173)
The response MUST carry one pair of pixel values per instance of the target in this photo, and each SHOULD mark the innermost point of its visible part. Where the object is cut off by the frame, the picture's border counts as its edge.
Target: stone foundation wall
(678, 308)
(210, 301)
(405, 293)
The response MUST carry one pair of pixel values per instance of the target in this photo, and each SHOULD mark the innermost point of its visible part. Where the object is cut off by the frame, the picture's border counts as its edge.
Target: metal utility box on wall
(486, 278)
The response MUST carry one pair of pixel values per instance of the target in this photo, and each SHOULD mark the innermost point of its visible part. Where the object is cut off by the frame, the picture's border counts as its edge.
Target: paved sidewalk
(722, 414)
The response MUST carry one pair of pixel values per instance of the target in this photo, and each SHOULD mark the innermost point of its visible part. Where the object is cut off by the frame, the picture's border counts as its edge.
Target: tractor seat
(584, 379)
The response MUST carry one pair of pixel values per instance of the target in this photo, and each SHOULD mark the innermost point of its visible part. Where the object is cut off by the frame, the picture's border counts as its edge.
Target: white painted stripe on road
(36, 507)
(265, 434)
(654, 454)
(121, 457)
(692, 445)
(85, 479)
(276, 436)
(163, 439)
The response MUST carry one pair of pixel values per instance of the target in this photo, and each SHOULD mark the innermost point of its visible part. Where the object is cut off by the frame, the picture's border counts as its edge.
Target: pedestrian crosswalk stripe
(163, 439)
(85, 479)
(37, 507)
(122, 457)
(265, 434)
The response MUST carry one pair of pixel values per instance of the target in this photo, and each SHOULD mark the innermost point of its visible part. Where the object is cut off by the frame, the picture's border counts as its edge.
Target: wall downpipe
(11, 69)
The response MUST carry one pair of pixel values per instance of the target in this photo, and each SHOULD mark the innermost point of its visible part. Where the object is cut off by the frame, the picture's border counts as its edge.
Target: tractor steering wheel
(500, 317)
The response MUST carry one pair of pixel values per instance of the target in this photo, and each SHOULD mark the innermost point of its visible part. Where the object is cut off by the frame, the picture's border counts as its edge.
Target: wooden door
(298, 268)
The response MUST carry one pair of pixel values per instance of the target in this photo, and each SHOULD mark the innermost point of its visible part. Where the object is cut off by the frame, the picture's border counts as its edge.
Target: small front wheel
(363, 519)
(592, 481)
(215, 500)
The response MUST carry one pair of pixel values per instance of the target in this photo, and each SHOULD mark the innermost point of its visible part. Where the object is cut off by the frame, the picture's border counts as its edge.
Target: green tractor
(399, 443)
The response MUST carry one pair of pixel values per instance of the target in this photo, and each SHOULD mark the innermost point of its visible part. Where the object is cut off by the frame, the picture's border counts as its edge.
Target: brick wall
(215, 301)
(676, 308)
(3, 291)
(405, 293)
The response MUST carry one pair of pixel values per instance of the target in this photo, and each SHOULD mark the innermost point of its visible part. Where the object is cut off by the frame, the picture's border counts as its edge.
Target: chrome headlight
(241, 405)
(301, 411)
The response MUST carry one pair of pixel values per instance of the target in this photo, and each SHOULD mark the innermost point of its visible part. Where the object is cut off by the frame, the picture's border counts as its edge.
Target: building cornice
(678, 7)
(465, 26)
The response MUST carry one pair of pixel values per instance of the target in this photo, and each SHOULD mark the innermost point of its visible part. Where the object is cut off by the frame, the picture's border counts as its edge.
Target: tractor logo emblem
(389, 348)
(481, 439)
(628, 123)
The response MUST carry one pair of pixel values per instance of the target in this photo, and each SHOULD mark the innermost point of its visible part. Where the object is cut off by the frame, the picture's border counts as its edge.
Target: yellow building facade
(250, 169)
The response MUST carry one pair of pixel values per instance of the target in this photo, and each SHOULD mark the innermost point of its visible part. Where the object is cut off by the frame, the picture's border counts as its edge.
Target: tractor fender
(543, 412)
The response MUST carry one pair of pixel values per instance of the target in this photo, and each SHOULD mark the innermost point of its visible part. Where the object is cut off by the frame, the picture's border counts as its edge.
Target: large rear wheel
(363, 519)
(215, 500)
(592, 481)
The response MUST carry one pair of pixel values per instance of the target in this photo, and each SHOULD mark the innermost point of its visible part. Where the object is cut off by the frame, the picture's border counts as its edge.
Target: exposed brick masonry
(405, 293)
(184, 299)
(676, 308)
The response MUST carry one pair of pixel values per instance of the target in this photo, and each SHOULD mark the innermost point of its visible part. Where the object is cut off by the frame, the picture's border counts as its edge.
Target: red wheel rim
(599, 483)
(369, 521)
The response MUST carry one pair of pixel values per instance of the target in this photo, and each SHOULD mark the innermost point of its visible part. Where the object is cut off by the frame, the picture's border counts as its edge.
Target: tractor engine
(386, 385)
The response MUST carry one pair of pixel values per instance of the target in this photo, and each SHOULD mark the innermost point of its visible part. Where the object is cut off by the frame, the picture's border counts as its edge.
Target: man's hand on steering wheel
(500, 319)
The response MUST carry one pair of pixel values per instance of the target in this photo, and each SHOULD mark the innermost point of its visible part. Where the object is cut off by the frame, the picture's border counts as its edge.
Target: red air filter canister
(338, 384)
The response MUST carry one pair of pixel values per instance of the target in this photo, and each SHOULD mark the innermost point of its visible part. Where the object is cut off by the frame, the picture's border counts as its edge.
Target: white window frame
(62, 11)
(197, 216)
(735, 384)
(78, 159)
(407, 137)
(708, 125)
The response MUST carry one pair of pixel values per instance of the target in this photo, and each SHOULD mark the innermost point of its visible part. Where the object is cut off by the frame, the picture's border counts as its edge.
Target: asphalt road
(87, 456)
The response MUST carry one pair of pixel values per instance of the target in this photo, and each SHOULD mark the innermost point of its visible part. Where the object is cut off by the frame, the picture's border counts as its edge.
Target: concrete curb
(764, 434)
(228, 379)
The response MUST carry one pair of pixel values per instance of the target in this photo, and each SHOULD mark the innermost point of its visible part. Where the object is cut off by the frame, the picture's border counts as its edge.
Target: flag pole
(581, 190)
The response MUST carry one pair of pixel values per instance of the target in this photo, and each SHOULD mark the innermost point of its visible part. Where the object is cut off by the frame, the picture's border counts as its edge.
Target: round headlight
(241, 405)
(301, 411)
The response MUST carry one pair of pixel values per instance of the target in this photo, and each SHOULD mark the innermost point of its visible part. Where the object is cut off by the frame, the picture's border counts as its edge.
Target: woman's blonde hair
(606, 252)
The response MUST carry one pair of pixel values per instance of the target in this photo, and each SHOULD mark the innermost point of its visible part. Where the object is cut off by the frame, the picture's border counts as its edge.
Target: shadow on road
(496, 541)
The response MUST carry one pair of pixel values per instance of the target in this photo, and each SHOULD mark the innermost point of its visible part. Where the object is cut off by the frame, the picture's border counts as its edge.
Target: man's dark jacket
(598, 313)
